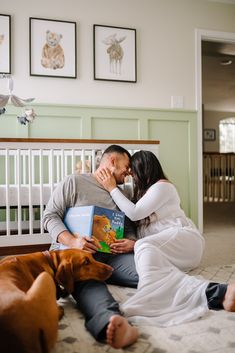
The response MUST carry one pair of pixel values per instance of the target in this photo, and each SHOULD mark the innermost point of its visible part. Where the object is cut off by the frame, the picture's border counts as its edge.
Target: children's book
(102, 224)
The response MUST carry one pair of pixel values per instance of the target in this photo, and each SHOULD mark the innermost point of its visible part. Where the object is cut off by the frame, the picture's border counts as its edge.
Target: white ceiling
(218, 81)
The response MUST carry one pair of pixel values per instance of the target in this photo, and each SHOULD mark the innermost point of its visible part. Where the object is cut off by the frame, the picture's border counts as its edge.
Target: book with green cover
(102, 224)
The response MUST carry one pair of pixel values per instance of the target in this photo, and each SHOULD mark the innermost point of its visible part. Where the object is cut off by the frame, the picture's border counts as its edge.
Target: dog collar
(47, 254)
(60, 291)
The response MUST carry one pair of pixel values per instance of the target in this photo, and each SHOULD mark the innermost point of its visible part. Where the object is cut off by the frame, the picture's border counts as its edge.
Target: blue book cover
(102, 224)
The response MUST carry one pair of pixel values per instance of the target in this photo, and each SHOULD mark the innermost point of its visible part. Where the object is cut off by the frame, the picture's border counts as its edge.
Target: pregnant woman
(168, 246)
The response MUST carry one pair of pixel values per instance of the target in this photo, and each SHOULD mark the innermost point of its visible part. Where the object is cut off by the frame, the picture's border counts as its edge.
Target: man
(102, 316)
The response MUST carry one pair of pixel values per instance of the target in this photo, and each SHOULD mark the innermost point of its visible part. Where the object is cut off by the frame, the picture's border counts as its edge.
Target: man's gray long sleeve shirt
(78, 190)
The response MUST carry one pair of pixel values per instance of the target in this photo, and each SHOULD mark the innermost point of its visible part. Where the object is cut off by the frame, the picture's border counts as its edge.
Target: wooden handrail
(219, 153)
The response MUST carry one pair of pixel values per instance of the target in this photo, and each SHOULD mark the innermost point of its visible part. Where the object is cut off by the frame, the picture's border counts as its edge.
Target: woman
(168, 244)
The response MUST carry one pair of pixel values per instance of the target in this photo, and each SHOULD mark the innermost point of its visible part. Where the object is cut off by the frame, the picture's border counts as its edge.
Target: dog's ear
(64, 275)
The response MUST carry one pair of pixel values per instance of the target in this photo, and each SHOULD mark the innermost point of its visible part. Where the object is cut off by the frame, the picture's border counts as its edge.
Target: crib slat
(93, 160)
(41, 189)
(62, 165)
(51, 169)
(72, 162)
(7, 176)
(19, 191)
(83, 160)
(24, 169)
(30, 165)
(66, 159)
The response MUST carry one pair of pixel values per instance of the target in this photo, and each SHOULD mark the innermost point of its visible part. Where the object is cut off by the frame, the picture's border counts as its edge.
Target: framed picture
(209, 134)
(114, 53)
(52, 48)
(5, 44)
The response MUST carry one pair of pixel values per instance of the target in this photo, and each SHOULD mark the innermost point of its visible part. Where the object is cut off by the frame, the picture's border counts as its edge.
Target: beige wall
(165, 45)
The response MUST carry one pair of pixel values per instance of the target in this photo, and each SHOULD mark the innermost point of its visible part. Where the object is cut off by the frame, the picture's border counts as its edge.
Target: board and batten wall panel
(114, 128)
(176, 130)
(62, 127)
(174, 150)
(177, 133)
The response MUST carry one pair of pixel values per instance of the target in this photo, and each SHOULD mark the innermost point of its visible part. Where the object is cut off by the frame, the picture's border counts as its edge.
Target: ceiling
(218, 81)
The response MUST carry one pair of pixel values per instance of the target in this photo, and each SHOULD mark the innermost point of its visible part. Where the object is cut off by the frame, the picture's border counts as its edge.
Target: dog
(29, 313)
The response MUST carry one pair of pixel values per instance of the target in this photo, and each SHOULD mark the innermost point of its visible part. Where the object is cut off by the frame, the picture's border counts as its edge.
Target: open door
(215, 92)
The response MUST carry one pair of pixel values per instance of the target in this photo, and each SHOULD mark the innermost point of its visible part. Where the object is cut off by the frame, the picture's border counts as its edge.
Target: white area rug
(213, 333)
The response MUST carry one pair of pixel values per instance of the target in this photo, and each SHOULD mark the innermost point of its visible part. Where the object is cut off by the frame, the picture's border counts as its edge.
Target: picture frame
(209, 134)
(52, 48)
(5, 44)
(114, 53)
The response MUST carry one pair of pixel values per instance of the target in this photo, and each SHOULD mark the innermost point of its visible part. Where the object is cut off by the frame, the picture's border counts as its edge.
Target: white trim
(202, 34)
(26, 239)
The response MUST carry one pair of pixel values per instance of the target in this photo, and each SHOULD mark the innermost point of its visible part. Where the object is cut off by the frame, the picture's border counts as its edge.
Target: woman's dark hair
(146, 170)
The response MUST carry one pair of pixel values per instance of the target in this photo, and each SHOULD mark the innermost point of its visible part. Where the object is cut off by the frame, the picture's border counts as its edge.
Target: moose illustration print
(114, 53)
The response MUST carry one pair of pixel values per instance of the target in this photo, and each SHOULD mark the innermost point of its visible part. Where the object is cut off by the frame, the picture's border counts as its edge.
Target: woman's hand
(106, 178)
(122, 246)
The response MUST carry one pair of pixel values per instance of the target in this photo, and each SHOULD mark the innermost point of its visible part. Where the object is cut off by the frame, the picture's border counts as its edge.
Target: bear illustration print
(52, 52)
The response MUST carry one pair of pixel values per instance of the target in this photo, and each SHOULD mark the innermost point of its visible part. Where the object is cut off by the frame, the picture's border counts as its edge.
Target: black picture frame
(209, 134)
(114, 53)
(52, 48)
(5, 44)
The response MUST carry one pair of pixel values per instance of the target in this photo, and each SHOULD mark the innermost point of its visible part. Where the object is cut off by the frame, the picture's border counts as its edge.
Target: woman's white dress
(167, 247)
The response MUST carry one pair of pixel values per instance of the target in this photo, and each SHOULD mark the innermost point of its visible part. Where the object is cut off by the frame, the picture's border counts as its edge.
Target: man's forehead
(127, 159)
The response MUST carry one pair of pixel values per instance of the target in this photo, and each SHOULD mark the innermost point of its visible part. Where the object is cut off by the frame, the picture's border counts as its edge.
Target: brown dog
(28, 310)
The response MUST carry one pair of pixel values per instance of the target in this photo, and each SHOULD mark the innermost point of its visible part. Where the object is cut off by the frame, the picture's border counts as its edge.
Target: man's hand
(122, 246)
(86, 243)
(78, 242)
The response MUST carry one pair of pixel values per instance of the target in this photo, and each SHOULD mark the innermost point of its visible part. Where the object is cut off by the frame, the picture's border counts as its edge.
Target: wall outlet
(177, 102)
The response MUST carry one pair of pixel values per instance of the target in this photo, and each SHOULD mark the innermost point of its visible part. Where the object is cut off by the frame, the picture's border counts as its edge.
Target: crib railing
(30, 169)
(218, 177)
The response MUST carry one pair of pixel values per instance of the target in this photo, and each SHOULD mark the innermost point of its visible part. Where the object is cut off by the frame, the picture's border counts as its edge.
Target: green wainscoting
(175, 129)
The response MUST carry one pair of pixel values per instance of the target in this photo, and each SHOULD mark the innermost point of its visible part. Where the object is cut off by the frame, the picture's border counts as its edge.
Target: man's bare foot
(120, 333)
(229, 298)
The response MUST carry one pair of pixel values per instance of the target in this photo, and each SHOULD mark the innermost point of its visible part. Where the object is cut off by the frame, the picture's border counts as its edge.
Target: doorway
(214, 51)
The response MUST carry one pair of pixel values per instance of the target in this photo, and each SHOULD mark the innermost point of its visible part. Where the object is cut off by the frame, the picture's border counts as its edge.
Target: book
(102, 224)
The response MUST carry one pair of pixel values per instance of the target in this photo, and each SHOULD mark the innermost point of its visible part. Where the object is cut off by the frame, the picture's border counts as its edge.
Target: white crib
(29, 171)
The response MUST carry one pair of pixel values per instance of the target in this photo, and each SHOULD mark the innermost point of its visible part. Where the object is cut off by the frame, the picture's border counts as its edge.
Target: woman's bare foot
(229, 298)
(120, 333)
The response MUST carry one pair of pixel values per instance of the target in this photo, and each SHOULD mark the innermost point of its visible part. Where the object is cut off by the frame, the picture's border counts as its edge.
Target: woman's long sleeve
(156, 196)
